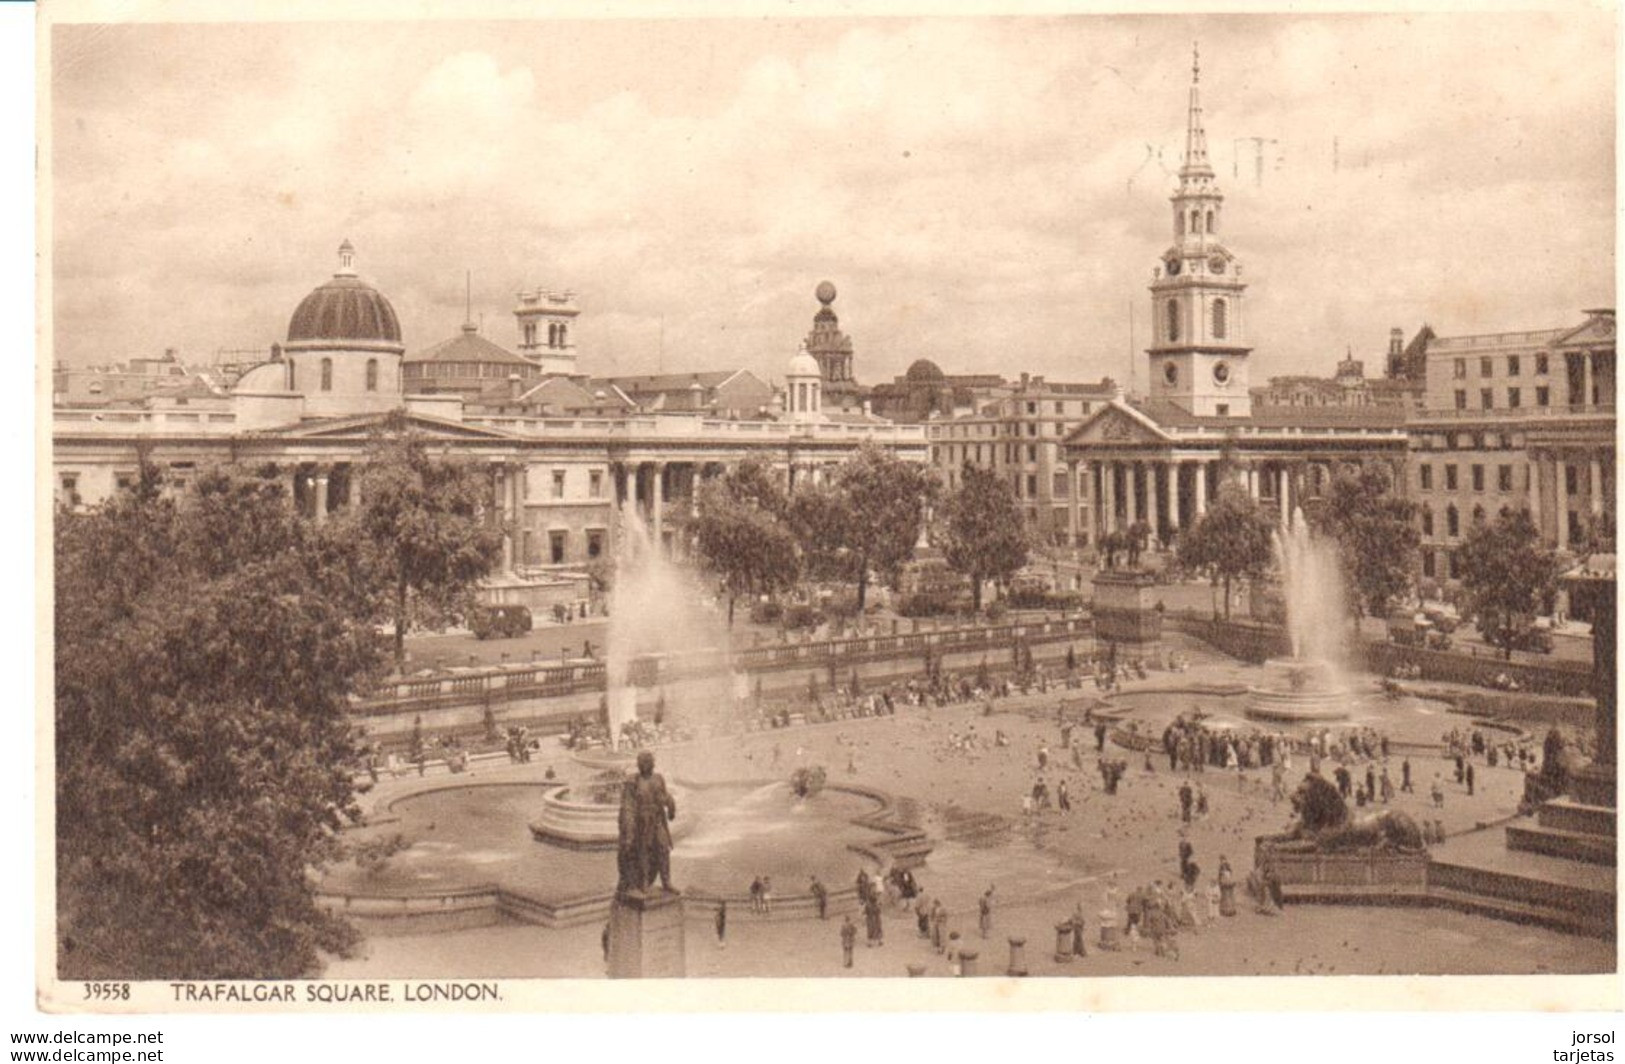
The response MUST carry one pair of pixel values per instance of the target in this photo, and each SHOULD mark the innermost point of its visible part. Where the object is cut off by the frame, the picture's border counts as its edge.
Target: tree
(1376, 534)
(984, 536)
(868, 521)
(1506, 576)
(740, 534)
(427, 528)
(204, 657)
(1230, 542)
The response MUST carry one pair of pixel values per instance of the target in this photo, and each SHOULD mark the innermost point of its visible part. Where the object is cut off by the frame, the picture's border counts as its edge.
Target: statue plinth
(646, 935)
(1124, 608)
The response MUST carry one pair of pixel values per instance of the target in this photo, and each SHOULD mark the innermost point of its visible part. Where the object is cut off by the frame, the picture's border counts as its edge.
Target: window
(1452, 521)
(595, 485)
(1461, 399)
(1486, 367)
(293, 376)
(564, 335)
(1428, 568)
(1503, 478)
(1210, 220)
(1450, 477)
(1222, 410)
(1085, 408)
(1218, 319)
(1478, 477)
(1454, 560)
(1059, 486)
(327, 374)
(530, 334)
(595, 542)
(1514, 366)
(1032, 486)
(1486, 398)
(558, 483)
(1032, 452)
(1543, 364)
(555, 546)
(1571, 479)
(1172, 314)
(1427, 521)
(1514, 398)
(372, 374)
(1060, 407)
(1032, 428)
(1460, 369)
(1032, 408)
(1543, 396)
(1425, 471)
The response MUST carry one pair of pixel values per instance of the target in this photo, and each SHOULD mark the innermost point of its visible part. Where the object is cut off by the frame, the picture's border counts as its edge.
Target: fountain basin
(1298, 689)
(580, 816)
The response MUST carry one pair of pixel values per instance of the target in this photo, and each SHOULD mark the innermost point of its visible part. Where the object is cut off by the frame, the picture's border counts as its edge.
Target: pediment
(1117, 425)
(363, 426)
(1599, 330)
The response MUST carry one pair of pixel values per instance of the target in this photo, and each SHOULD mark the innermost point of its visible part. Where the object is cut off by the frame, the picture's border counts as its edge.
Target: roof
(469, 346)
(1507, 339)
(345, 308)
(671, 382)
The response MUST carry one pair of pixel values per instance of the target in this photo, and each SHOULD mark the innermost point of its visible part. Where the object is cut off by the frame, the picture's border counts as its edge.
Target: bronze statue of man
(645, 833)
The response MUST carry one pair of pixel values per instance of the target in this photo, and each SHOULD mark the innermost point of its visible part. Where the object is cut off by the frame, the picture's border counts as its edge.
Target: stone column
(1173, 496)
(1151, 498)
(1201, 488)
(1252, 481)
(504, 495)
(355, 487)
(1562, 470)
(1284, 500)
(1108, 484)
(321, 494)
(1585, 363)
(1534, 495)
(1596, 486)
(657, 500)
(1072, 503)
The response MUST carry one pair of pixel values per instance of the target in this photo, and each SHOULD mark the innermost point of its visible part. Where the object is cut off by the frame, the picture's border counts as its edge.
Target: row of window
(595, 483)
(557, 334)
(327, 375)
(1486, 366)
(500, 370)
(1220, 313)
(558, 546)
(1503, 477)
(1486, 398)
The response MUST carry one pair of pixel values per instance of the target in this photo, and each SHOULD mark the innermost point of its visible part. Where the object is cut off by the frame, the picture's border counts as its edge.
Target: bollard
(967, 962)
(1109, 932)
(916, 970)
(1018, 957)
(1063, 943)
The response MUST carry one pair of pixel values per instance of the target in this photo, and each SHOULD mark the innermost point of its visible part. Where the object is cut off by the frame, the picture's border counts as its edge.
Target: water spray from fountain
(1309, 685)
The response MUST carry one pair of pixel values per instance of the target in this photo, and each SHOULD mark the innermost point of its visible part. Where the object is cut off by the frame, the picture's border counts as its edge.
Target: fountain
(661, 639)
(1308, 685)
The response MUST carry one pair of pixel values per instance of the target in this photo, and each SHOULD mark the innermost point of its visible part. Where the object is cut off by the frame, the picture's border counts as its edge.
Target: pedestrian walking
(1469, 778)
(820, 898)
(984, 913)
(849, 939)
(722, 925)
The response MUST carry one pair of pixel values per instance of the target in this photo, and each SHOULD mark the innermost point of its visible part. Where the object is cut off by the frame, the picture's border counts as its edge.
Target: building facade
(561, 484)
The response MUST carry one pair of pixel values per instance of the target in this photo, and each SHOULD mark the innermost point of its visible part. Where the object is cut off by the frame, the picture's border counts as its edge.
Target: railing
(509, 683)
(1544, 413)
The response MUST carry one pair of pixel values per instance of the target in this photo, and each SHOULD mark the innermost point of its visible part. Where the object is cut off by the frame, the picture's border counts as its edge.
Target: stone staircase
(1569, 828)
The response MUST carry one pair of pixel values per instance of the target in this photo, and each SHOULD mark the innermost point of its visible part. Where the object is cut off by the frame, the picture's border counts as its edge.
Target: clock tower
(1198, 356)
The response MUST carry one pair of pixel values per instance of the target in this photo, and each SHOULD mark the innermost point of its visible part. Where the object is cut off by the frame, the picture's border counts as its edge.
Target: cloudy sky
(989, 193)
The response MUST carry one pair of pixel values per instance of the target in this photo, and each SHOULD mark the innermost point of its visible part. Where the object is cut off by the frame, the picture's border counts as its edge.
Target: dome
(802, 365)
(345, 308)
(924, 370)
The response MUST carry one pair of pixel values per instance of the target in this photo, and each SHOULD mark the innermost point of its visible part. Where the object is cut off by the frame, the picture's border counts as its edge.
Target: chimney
(1396, 342)
(1024, 380)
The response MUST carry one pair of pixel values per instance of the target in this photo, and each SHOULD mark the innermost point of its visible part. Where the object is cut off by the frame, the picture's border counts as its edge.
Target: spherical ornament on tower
(825, 292)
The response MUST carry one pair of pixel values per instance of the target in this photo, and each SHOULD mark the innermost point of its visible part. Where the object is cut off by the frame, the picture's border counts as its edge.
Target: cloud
(988, 193)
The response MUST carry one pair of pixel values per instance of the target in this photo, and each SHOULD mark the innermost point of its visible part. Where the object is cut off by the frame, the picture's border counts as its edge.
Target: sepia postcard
(1027, 507)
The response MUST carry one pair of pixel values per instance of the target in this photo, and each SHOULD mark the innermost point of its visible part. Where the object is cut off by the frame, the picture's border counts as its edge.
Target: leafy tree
(1506, 576)
(427, 530)
(1230, 542)
(204, 657)
(868, 521)
(740, 534)
(984, 535)
(1376, 534)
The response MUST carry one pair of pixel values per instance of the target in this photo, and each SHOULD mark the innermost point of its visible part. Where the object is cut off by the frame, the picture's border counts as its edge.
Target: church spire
(1196, 164)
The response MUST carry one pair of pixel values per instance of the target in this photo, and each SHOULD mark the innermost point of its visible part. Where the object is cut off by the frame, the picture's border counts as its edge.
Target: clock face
(1173, 267)
(1221, 373)
(1216, 264)
(1170, 371)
